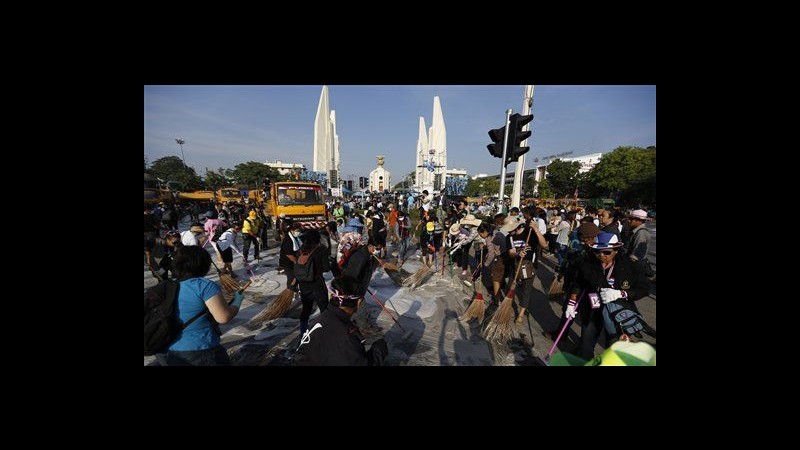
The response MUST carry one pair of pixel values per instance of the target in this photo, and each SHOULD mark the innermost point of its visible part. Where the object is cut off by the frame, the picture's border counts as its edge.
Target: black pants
(310, 294)
(248, 239)
(525, 292)
(590, 330)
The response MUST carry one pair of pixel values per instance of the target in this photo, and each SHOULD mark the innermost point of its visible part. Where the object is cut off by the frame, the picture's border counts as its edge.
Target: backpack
(161, 325)
(218, 233)
(304, 270)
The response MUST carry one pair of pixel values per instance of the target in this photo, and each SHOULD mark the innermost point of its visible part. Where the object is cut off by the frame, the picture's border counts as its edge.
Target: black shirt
(335, 341)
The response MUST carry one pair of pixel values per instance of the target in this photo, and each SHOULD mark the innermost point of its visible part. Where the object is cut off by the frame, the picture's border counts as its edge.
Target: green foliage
(172, 168)
(251, 173)
(545, 190)
(528, 186)
(216, 180)
(563, 177)
(629, 172)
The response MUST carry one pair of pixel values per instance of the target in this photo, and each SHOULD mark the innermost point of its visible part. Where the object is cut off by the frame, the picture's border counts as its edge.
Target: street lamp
(181, 142)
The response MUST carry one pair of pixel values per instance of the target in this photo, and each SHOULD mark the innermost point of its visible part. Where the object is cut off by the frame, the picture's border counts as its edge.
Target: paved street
(430, 313)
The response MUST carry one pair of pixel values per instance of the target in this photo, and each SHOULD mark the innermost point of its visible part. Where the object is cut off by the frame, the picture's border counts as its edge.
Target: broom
(478, 306)
(276, 309)
(387, 265)
(226, 281)
(556, 288)
(499, 327)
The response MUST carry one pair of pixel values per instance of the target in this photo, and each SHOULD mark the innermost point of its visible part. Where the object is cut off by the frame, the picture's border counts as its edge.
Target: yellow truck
(302, 201)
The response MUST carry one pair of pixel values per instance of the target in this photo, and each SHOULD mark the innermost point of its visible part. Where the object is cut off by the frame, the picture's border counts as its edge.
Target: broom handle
(443, 253)
(566, 324)
(387, 311)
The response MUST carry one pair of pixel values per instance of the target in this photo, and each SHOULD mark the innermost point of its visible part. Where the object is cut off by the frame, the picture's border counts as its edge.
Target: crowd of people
(587, 245)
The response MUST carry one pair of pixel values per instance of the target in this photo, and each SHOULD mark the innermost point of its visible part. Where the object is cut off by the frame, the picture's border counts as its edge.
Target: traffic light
(498, 136)
(516, 136)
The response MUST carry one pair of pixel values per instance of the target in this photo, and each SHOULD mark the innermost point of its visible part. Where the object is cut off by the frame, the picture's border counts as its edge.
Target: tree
(545, 190)
(215, 180)
(529, 185)
(252, 173)
(172, 168)
(562, 176)
(628, 173)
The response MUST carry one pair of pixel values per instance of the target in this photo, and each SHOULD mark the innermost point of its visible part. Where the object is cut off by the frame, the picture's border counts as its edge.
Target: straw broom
(276, 309)
(226, 281)
(386, 265)
(556, 288)
(478, 306)
(499, 327)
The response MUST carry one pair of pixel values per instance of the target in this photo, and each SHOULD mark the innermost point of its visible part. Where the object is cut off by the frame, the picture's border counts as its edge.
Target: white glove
(571, 313)
(611, 295)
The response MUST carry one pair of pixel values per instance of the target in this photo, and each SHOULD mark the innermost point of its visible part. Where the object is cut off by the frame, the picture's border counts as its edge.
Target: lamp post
(181, 142)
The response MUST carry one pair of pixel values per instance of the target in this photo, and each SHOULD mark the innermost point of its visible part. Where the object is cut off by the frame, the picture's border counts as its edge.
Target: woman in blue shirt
(198, 344)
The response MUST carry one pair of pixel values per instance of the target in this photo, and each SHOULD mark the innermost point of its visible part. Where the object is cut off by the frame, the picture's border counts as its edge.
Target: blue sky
(227, 125)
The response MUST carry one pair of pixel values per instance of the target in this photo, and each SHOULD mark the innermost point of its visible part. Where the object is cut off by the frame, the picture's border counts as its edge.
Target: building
(326, 141)
(380, 179)
(286, 168)
(431, 152)
(456, 173)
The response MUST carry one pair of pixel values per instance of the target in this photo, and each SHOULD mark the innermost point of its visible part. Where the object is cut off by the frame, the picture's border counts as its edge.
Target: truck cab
(302, 201)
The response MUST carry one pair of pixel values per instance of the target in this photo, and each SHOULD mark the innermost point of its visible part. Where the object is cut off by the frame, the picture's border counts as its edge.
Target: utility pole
(527, 105)
(503, 163)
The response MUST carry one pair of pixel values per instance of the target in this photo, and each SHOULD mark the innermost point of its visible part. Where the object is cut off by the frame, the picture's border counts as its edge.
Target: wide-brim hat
(455, 229)
(470, 220)
(510, 224)
(197, 229)
(606, 240)
(588, 230)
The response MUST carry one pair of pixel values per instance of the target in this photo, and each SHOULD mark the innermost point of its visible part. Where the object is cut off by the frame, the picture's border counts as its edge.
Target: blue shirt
(192, 296)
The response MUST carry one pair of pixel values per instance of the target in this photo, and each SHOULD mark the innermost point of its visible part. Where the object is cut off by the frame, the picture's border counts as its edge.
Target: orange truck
(302, 201)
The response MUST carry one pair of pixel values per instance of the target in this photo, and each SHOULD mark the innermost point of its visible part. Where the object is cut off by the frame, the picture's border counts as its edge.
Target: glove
(237, 299)
(571, 306)
(611, 295)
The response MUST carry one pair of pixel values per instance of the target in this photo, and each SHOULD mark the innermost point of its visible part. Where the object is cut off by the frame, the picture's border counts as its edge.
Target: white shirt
(189, 238)
(226, 240)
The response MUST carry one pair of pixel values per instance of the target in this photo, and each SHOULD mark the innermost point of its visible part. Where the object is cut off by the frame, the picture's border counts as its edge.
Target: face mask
(377, 251)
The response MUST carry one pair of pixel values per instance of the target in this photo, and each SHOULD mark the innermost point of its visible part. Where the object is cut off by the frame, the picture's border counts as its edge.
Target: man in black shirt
(334, 340)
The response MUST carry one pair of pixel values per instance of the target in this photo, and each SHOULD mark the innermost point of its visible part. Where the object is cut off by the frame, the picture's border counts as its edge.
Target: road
(429, 332)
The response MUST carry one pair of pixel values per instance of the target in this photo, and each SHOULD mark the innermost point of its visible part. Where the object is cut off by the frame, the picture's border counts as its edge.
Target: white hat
(455, 229)
(470, 220)
(638, 214)
(510, 224)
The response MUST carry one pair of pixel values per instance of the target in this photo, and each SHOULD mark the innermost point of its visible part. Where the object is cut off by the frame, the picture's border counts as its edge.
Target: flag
(576, 192)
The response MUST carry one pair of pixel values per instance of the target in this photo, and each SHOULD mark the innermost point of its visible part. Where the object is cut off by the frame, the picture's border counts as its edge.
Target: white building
(380, 179)
(286, 168)
(431, 152)
(480, 175)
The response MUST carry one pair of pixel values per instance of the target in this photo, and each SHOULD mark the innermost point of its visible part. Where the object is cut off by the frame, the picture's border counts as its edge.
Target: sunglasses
(605, 252)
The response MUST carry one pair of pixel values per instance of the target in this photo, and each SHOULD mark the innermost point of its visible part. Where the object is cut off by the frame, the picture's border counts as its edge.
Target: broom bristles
(499, 327)
(228, 283)
(476, 309)
(277, 308)
(556, 288)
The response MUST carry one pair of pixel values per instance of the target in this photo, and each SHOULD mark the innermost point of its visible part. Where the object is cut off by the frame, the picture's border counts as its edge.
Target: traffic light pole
(503, 163)
(527, 103)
